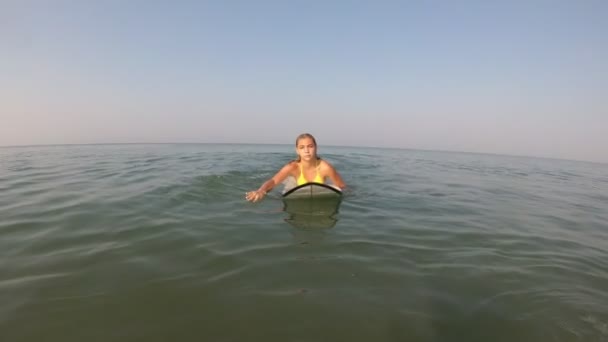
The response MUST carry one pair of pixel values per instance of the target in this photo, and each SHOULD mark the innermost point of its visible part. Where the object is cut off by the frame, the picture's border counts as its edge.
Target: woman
(308, 167)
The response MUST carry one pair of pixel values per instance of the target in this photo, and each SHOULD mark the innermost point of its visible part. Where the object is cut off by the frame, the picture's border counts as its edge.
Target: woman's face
(306, 149)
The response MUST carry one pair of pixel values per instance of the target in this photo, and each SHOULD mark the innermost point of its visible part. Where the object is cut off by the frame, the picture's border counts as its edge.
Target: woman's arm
(335, 177)
(268, 185)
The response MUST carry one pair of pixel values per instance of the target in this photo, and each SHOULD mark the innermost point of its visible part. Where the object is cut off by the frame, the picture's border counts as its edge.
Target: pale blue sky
(510, 77)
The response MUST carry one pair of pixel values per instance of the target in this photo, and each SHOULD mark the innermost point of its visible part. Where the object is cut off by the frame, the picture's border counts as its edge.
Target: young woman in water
(308, 167)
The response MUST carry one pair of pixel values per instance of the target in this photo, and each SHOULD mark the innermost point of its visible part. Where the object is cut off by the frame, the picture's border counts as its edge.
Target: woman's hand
(255, 196)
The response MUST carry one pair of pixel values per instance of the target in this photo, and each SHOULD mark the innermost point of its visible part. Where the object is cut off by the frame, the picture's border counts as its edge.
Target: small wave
(20, 281)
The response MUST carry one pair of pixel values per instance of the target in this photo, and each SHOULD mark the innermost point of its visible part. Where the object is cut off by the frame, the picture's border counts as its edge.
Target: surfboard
(312, 190)
(312, 205)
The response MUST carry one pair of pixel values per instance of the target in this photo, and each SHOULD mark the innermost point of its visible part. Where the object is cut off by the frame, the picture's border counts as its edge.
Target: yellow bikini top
(302, 179)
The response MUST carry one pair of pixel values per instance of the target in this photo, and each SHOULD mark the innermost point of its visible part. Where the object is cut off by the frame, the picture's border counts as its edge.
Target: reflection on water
(312, 213)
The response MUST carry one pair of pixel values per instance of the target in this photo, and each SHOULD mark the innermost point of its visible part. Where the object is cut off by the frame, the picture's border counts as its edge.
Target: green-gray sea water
(157, 243)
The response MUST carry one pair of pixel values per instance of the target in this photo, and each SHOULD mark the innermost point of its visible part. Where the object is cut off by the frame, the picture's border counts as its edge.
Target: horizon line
(329, 145)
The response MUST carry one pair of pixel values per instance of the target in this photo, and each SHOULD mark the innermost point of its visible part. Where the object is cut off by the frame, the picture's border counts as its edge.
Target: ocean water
(156, 242)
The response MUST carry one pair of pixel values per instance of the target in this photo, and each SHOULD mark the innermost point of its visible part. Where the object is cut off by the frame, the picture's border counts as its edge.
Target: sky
(507, 77)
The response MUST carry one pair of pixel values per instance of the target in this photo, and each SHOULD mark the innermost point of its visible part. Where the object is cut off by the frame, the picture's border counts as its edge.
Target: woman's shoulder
(293, 164)
(325, 164)
(288, 169)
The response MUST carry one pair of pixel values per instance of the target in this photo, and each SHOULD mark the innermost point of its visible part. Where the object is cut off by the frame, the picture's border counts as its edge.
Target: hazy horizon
(516, 78)
(288, 148)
